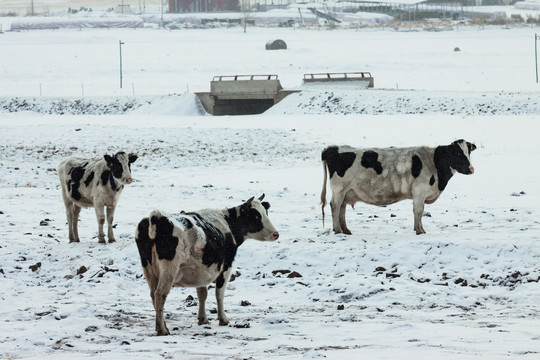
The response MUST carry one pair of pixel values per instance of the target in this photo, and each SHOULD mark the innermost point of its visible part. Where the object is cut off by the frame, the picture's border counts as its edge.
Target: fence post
(536, 37)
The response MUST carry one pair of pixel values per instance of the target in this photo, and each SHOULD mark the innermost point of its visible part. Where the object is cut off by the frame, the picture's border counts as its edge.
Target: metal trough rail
(244, 77)
(362, 76)
(235, 87)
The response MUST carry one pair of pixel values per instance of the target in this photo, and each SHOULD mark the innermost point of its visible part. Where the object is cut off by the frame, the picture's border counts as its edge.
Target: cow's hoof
(203, 321)
(420, 232)
(163, 332)
(224, 322)
(74, 241)
(347, 232)
(112, 240)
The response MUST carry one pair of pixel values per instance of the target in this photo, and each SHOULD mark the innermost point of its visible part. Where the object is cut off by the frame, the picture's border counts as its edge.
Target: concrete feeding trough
(242, 94)
(362, 78)
(276, 45)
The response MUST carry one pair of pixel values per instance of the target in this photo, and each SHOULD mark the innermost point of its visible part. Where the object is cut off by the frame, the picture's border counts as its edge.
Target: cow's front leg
(202, 294)
(418, 210)
(221, 284)
(100, 214)
(110, 219)
(335, 204)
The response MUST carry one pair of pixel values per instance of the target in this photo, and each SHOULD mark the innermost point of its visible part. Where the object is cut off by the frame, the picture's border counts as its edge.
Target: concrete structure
(242, 94)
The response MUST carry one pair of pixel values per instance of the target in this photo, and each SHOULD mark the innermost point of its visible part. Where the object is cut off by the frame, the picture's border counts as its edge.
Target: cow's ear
(266, 205)
(471, 146)
(108, 159)
(132, 158)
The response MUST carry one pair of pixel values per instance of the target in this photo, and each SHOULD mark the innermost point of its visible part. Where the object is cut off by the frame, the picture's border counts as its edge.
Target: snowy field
(468, 289)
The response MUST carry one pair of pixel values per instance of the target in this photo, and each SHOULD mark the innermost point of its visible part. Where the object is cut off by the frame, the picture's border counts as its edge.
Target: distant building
(184, 6)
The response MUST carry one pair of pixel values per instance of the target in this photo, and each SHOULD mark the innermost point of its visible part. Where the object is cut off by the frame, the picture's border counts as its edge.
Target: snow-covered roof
(397, 2)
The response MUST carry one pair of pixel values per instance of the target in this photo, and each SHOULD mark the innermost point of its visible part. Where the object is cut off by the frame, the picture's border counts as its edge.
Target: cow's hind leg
(69, 216)
(342, 222)
(75, 211)
(335, 204)
(202, 294)
(160, 296)
(418, 210)
(110, 219)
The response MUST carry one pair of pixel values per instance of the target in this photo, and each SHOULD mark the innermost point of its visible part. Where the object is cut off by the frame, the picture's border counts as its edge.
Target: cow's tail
(152, 226)
(323, 192)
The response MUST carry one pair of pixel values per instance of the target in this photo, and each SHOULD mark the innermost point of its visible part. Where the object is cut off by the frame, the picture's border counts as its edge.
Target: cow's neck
(442, 164)
(237, 225)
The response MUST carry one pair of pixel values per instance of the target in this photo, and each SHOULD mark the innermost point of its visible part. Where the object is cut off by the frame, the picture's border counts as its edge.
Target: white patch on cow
(402, 166)
(404, 185)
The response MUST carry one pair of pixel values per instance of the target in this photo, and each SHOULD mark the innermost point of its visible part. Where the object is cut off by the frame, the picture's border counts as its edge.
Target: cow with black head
(194, 249)
(383, 176)
(97, 183)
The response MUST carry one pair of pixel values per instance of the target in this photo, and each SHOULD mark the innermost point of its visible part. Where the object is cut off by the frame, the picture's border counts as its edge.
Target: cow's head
(120, 166)
(460, 156)
(253, 221)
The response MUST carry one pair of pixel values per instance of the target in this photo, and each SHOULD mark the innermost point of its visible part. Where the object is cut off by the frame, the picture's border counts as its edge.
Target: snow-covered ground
(467, 289)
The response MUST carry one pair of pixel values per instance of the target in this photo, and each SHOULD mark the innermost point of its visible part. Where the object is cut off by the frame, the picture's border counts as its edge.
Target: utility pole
(536, 38)
(120, 43)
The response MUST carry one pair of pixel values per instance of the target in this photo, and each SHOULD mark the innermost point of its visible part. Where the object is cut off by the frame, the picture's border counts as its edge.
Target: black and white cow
(385, 176)
(197, 248)
(96, 183)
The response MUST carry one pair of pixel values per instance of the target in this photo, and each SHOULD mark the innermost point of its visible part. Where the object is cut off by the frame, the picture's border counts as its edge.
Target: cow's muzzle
(128, 180)
(471, 169)
(275, 236)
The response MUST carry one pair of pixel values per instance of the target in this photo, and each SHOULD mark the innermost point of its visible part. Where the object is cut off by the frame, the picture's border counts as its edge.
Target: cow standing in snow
(97, 183)
(198, 248)
(385, 176)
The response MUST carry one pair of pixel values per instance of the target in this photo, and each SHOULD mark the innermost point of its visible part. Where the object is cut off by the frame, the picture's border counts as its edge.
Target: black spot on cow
(432, 180)
(89, 179)
(442, 164)
(220, 248)
(337, 162)
(447, 158)
(107, 178)
(76, 173)
(165, 241)
(245, 220)
(114, 165)
(74, 182)
(220, 281)
(370, 160)
(144, 243)
(416, 167)
(186, 222)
